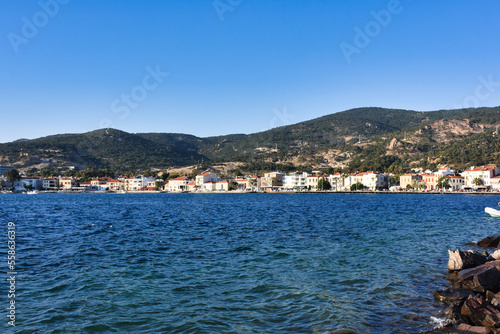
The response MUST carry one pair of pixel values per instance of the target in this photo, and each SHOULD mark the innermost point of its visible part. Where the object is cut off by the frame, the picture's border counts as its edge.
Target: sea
(232, 263)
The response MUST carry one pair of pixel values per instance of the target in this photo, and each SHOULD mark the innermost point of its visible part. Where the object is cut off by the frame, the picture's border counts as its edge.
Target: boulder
(450, 295)
(481, 312)
(489, 242)
(453, 313)
(459, 260)
(496, 254)
(482, 278)
(474, 329)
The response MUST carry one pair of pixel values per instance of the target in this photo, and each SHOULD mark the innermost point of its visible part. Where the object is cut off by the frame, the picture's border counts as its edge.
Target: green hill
(362, 138)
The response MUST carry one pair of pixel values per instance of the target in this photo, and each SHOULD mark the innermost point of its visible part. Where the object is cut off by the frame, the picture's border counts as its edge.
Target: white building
(483, 173)
(178, 184)
(139, 182)
(444, 171)
(456, 182)
(222, 185)
(204, 178)
(336, 181)
(373, 180)
(50, 183)
(295, 181)
(312, 182)
(208, 186)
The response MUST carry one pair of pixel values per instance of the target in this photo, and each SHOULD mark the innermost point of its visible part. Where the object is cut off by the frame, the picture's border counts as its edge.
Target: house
(480, 177)
(312, 182)
(374, 180)
(99, 185)
(336, 181)
(140, 182)
(254, 183)
(352, 179)
(31, 182)
(272, 181)
(50, 183)
(295, 180)
(86, 186)
(444, 171)
(191, 186)
(178, 184)
(456, 182)
(67, 183)
(204, 178)
(222, 185)
(409, 180)
(495, 183)
(114, 185)
(242, 184)
(208, 186)
(429, 180)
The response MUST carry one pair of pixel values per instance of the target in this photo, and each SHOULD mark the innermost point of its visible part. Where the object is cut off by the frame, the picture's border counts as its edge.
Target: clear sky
(208, 67)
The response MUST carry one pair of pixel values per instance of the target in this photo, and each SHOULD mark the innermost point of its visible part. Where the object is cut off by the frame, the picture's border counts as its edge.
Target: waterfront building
(409, 180)
(51, 183)
(140, 182)
(483, 173)
(271, 181)
(429, 180)
(336, 181)
(67, 183)
(312, 182)
(222, 185)
(456, 182)
(374, 180)
(114, 185)
(204, 178)
(444, 171)
(295, 180)
(178, 184)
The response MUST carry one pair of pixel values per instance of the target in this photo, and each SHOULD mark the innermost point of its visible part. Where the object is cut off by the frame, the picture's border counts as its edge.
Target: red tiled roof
(180, 178)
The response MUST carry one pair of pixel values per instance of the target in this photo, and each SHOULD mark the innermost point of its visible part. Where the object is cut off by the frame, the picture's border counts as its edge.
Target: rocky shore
(473, 297)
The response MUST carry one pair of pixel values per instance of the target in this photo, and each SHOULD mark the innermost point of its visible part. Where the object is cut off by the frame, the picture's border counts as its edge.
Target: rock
(496, 254)
(481, 312)
(474, 329)
(482, 278)
(459, 260)
(450, 295)
(489, 242)
(453, 312)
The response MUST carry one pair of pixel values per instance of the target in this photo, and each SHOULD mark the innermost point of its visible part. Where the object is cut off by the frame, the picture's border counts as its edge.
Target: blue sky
(236, 66)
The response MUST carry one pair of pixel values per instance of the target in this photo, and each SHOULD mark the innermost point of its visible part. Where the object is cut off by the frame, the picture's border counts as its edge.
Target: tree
(478, 182)
(12, 175)
(443, 182)
(324, 184)
(158, 185)
(233, 185)
(394, 179)
(357, 186)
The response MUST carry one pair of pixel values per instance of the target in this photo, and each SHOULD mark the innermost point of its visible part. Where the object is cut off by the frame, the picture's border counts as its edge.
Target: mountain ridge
(352, 135)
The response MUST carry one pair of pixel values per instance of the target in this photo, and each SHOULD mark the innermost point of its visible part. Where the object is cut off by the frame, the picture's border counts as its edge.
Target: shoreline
(264, 192)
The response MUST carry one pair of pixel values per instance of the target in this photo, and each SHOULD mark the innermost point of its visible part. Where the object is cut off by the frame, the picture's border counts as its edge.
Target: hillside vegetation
(356, 139)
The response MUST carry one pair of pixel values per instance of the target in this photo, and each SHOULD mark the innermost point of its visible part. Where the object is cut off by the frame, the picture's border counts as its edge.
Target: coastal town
(473, 179)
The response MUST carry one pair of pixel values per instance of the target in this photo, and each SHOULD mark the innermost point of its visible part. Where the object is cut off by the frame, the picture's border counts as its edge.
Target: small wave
(438, 323)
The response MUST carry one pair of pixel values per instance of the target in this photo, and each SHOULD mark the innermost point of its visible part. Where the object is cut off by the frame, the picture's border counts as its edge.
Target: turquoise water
(234, 263)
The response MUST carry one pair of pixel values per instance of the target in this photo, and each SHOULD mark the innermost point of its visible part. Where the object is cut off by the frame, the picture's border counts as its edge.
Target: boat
(492, 212)
(32, 192)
